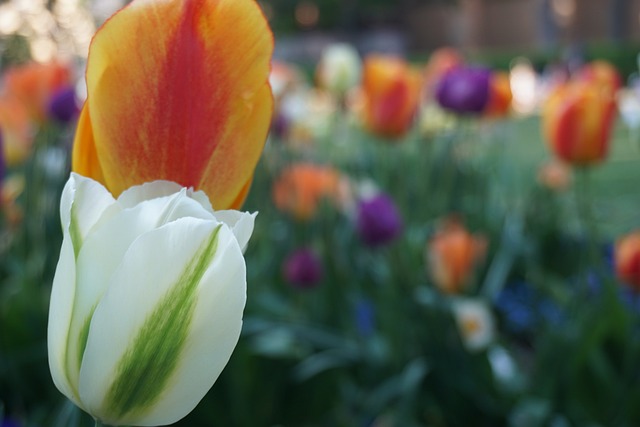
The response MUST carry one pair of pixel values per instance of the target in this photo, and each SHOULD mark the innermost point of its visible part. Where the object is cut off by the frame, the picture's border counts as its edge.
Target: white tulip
(147, 299)
(340, 68)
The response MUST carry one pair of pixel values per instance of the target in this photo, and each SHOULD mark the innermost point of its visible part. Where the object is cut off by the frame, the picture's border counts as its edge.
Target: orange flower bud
(577, 119)
(391, 95)
(627, 259)
(451, 256)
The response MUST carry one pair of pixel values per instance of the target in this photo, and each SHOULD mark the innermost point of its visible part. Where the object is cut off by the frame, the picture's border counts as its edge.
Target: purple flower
(280, 125)
(63, 105)
(303, 269)
(378, 221)
(464, 90)
(9, 422)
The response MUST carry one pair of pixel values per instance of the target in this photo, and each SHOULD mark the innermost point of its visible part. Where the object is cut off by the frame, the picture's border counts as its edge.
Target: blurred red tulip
(627, 259)
(391, 95)
(577, 119)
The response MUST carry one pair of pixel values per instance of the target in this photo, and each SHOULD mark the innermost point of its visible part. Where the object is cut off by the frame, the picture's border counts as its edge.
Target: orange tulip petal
(178, 90)
(85, 158)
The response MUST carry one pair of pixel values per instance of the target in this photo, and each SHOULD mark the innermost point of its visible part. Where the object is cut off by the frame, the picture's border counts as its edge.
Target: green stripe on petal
(148, 364)
(74, 231)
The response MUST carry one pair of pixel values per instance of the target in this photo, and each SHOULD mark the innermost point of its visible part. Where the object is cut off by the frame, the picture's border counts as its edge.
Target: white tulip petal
(213, 334)
(134, 359)
(62, 296)
(202, 198)
(103, 252)
(84, 203)
(147, 191)
(241, 223)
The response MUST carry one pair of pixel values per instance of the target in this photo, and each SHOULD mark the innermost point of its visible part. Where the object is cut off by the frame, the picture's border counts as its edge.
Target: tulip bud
(577, 120)
(303, 269)
(147, 299)
(451, 256)
(378, 221)
(500, 95)
(391, 95)
(2, 164)
(63, 105)
(627, 259)
(339, 68)
(300, 189)
(464, 90)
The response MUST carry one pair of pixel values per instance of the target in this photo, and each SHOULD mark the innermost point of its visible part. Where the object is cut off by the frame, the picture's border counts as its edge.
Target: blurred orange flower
(577, 119)
(301, 187)
(627, 259)
(34, 83)
(500, 95)
(555, 175)
(16, 130)
(391, 95)
(452, 255)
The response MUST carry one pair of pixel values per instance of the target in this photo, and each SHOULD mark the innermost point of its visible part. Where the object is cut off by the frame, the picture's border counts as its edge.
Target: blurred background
(449, 215)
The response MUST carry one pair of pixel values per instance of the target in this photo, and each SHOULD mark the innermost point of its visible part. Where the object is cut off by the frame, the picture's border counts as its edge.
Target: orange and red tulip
(452, 255)
(627, 259)
(500, 96)
(391, 95)
(178, 90)
(577, 119)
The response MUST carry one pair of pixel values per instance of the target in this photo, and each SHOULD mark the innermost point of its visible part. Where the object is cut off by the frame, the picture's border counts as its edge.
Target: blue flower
(365, 317)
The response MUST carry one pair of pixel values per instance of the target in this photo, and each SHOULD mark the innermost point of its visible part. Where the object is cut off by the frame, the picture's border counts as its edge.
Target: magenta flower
(303, 269)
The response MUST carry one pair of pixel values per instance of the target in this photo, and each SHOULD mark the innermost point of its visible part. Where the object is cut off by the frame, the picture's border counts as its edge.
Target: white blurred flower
(475, 323)
(339, 69)
(629, 106)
